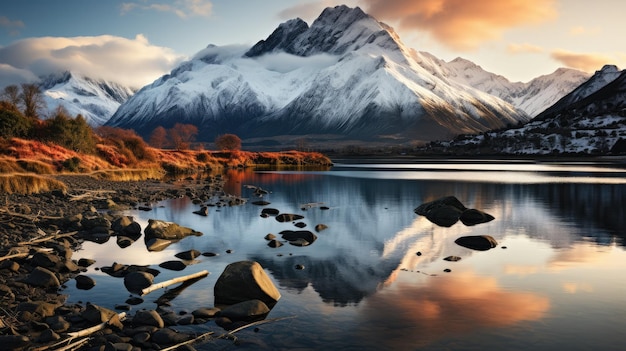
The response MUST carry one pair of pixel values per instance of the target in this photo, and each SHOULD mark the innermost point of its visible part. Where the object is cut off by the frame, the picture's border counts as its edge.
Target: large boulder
(443, 212)
(243, 281)
(473, 216)
(137, 281)
(42, 277)
(298, 235)
(477, 242)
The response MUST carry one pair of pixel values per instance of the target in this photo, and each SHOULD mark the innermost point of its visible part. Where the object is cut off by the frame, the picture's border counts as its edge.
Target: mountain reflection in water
(364, 286)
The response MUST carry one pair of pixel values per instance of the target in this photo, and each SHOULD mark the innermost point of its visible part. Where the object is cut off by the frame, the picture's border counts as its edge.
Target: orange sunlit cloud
(584, 31)
(524, 48)
(461, 24)
(585, 62)
(448, 306)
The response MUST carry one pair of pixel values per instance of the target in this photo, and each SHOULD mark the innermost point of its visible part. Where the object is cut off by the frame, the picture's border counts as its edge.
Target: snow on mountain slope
(590, 120)
(347, 75)
(96, 100)
(532, 97)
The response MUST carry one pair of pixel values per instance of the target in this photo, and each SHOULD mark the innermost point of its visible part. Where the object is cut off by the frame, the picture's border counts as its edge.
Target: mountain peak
(609, 69)
(336, 31)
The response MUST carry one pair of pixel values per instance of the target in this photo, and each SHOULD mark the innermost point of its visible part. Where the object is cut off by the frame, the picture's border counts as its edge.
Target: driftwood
(188, 342)
(29, 217)
(95, 328)
(47, 238)
(91, 195)
(167, 283)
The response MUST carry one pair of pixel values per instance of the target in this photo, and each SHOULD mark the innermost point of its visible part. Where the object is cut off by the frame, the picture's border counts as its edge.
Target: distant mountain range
(346, 78)
(95, 99)
(590, 120)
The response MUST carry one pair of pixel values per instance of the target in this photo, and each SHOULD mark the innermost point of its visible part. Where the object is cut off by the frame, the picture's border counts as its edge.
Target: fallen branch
(47, 238)
(70, 345)
(264, 321)
(166, 283)
(95, 328)
(29, 217)
(192, 341)
(18, 255)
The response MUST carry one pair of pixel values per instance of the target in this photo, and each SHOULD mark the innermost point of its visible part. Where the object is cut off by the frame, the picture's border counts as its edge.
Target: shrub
(72, 164)
(13, 123)
(71, 133)
(129, 144)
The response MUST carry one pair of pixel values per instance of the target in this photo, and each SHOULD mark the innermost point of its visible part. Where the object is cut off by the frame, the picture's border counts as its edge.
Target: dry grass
(22, 183)
(125, 175)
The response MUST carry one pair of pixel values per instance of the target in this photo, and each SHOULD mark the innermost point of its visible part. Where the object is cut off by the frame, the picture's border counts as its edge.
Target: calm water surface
(555, 281)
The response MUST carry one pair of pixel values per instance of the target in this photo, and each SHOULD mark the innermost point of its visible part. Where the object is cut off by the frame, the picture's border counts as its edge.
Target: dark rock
(447, 270)
(274, 243)
(299, 242)
(45, 260)
(477, 242)
(203, 211)
(320, 227)
(42, 277)
(137, 281)
(37, 309)
(270, 211)
(188, 255)
(97, 314)
(243, 281)
(472, 216)
(84, 282)
(205, 312)
(224, 322)
(148, 317)
(86, 262)
(58, 324)
(174, 265)
(288, 217)
(126, 226)
(452, 201)
(295, 235)
(6, 294)
(250, 310)
(444, 216)
(124, 241)
(185, 320)
(300, 224)
(452, 258)
(10, 265)
(167, 336)
(210, 254)
(260, 203)
(122, 307)
(270, 236)
(324, 208)
(299, 267)
(47, 335)
(134, 301)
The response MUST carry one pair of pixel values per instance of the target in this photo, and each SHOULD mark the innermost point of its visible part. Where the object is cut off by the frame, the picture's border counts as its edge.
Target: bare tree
(11, 94)
(32, 100)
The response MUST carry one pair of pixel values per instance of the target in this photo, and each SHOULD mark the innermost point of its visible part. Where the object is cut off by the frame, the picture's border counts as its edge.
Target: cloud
(11, 25)
(283, 62)
(578, 31)
(133, 62)
(587, 62)
(462, 24)
(442, 307)
(181, 8)
(524, 48)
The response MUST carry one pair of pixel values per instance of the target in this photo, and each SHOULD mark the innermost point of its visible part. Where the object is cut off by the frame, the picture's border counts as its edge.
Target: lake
(375, 279)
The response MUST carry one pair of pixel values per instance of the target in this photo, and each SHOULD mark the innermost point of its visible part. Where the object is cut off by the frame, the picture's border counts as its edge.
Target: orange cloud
(462, 24)
(582, 31)
(446, 306)
(524, 48)
(585, 62)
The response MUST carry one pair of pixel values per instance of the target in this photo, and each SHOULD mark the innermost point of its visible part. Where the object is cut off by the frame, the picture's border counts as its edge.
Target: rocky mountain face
(347, 77)
(590, 120)
(96, 100)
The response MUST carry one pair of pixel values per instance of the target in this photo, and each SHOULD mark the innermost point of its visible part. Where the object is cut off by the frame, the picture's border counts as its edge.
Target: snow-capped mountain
(532, 97)
(95, 99)
(347, 75)
(589, 120)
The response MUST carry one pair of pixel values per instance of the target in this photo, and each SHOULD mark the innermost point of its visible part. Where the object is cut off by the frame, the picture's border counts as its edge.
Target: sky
(134, 42)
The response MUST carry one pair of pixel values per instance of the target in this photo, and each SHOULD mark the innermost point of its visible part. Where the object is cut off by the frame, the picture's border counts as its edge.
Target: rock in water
(242, 281)
(137, 281)
(250, 310)
(473, 216)
(477, 242)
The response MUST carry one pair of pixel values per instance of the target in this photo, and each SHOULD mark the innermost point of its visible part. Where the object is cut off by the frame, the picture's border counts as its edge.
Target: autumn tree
(181, 135)
(158, 138)
(32, 100)
(127, 141)
(229, 142)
